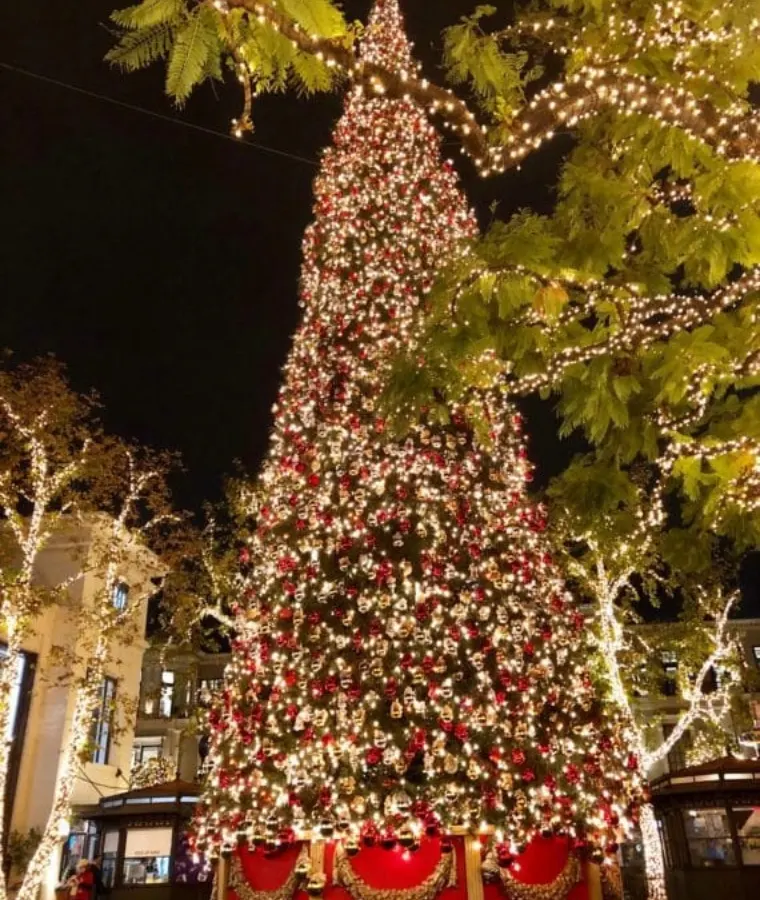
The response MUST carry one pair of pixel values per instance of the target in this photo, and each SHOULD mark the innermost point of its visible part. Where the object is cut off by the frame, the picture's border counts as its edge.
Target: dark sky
(160, 263)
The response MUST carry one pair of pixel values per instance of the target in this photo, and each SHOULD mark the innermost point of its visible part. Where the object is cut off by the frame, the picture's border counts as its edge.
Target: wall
(53, 696)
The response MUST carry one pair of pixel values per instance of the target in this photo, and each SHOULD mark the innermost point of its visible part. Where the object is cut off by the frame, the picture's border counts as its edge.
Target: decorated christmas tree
(408, 660)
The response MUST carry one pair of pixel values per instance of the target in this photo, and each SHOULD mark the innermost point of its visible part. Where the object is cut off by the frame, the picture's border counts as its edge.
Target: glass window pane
(120, 596)
(747, 822)
(146, 870)
(101, 727)
(709, 837)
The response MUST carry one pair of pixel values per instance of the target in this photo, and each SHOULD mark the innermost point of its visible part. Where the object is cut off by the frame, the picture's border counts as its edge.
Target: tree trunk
(654, 863)
(67, 773)
(8, 675)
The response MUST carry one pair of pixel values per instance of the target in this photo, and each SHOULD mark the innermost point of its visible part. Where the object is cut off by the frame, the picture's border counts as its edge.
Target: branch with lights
(732, 132)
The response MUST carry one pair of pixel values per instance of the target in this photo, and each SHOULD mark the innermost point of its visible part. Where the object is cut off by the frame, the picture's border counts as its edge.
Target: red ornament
(373, 756)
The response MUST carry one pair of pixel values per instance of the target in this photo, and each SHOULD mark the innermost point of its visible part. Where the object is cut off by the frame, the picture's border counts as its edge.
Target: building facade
(176, 688)
(45, 694)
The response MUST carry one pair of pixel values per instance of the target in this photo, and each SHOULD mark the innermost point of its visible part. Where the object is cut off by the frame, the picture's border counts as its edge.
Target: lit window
(756, 654)
(147, 855)
(101, 727)
(709, 838)
(166, 703)
(747, 824)
(120, 596)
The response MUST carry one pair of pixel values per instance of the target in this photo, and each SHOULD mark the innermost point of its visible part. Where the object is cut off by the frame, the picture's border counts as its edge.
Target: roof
(172, 797)
(726, 773)
(167, 789)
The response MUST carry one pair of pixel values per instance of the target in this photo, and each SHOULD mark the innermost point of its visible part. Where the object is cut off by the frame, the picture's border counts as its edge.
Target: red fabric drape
(268, 873)
(397, 869)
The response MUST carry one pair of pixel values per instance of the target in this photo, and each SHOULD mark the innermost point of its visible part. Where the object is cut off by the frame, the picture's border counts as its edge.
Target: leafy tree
(61, 475)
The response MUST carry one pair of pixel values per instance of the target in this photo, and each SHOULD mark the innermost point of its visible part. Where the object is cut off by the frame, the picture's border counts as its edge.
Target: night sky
(160, 262)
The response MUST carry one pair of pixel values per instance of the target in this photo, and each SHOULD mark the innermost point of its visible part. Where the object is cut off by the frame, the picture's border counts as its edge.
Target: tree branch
(732, 133)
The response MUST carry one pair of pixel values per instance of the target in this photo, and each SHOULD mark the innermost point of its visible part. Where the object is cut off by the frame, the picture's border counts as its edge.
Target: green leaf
(189, 58)
(319, 17)
(147, 13)
(138, 49)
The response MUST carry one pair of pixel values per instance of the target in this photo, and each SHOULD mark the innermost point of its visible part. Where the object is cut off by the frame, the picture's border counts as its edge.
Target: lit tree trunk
(67, 773)
(654, 863)
(8, 675)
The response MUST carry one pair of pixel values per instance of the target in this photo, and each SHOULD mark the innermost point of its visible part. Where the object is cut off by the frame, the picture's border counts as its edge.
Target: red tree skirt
(398, 870)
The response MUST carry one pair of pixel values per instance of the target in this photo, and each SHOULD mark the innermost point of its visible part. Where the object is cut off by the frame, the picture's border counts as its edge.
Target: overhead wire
(153, 114)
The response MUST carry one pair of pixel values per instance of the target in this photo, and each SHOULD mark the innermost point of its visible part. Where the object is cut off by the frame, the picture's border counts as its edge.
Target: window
(80, 844)
(747, 823)
(120, 596)
(145, 749)
(709, 838)
(108, 857)
(101, 728)
(756, 654)
(670, 667)
(208, 689)
(147, 856)
(166, 702)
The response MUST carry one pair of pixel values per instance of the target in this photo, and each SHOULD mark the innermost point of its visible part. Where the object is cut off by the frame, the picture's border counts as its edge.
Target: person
(99, 888)
(84, 881)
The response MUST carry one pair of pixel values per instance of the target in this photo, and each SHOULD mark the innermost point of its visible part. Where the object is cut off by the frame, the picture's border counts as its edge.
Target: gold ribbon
(239, 883)
(444, 875)
(552, 890)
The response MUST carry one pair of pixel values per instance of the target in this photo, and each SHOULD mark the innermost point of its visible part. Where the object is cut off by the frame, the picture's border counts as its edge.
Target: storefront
(710, 824)
(140, 838)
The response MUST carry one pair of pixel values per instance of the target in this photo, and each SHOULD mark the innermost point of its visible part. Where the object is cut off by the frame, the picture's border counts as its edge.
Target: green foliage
(196, 42)
(471, 55)
(21, 847)
(138, 49)
(320, 17)
(148, 13)
(199, 43)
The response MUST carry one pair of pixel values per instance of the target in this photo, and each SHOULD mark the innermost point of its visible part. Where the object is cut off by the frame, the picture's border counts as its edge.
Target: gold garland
(612, 882)
(553, 890)
(239, 883)
(445, 875)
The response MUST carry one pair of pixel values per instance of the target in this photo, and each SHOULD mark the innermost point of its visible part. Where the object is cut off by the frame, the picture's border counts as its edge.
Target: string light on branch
(732, 132)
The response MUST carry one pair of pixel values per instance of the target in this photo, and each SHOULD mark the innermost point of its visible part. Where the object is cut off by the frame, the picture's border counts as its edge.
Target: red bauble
(373, 756)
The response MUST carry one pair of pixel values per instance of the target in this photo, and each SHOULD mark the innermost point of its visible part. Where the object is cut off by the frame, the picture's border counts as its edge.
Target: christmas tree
(409, 660)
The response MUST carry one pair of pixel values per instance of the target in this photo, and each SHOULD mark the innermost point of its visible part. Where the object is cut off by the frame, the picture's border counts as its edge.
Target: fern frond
(147, 13)
(189, 59)
(311, 75)
(320, 17)
(138, 49)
